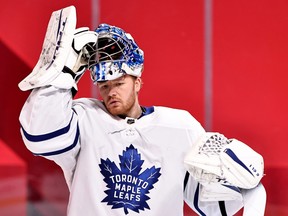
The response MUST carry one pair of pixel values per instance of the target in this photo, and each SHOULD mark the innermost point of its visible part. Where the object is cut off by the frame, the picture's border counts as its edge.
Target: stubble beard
(123, 108)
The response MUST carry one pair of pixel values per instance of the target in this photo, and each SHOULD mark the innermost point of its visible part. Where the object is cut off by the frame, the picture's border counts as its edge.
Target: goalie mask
(114, 55)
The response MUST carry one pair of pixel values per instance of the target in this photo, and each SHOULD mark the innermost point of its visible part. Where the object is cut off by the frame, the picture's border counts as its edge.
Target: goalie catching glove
(63, 50)
(214, 158)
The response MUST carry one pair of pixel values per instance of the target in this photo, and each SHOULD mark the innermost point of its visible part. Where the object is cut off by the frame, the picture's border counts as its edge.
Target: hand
(77, 58)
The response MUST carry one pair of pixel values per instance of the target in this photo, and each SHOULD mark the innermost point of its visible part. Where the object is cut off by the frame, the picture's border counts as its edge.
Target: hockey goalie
(118, 156)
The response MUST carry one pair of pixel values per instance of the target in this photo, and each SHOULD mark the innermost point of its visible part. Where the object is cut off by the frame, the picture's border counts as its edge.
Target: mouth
(114, 106)
(113, 103)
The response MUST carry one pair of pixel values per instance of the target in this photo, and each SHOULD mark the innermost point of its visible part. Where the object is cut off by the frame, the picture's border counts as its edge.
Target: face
(120, 96)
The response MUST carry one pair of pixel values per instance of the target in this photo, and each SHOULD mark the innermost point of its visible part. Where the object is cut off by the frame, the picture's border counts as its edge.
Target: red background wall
(249, 81)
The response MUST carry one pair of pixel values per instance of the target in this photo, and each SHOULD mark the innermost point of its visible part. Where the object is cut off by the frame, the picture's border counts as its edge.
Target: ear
(138, 84)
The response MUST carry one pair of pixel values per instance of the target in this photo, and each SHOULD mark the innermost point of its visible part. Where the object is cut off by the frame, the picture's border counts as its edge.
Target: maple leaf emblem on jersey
(128, 188)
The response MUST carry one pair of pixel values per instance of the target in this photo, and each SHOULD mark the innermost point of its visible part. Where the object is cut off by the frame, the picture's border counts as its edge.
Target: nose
(112, 91)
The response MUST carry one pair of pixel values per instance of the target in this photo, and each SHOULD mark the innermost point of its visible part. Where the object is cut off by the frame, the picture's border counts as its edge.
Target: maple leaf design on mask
(127, 187)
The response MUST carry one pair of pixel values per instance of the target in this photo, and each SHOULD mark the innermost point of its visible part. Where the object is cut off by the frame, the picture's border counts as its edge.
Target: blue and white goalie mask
(115, 54)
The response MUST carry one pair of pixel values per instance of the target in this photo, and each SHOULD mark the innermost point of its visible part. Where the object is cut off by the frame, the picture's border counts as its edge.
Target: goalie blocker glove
(63, 49)
(214, 158)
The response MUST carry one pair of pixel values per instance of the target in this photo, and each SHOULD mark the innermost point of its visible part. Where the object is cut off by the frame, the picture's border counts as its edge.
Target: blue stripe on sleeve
(62, 150)
(43, 137)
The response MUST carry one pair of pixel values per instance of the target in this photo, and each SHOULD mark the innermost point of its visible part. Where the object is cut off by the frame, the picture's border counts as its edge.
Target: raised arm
(49, 124)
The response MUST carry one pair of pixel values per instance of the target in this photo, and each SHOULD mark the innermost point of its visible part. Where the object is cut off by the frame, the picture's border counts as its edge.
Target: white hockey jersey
(116, 166)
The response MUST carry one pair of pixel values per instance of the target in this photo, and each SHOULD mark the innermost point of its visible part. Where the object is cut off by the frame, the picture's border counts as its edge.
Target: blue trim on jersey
(196, 199)
(62, 150)
(43, 137)
(146, 111)
(231, 154)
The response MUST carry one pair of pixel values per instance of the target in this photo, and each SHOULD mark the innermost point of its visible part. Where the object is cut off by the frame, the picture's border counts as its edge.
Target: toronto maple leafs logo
(128, 188)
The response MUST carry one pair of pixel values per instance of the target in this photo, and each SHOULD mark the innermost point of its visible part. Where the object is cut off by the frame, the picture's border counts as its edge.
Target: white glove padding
(78, 55)
(77, 61)
(213, 188)
(230, 160)
(219, 192)
(242, 166)
(55, 49)
(63, 50)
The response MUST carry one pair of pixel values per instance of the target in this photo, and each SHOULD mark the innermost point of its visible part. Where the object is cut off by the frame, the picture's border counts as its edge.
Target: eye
(119, 84)
(103, 87)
